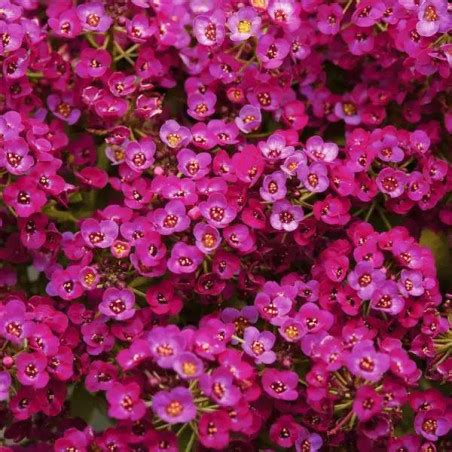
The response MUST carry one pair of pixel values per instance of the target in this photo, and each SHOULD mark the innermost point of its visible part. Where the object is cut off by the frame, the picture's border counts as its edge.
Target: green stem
(384, 218)
(190, 443)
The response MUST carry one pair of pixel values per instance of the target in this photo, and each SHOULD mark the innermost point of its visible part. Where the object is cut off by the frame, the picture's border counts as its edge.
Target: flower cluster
(223, 225)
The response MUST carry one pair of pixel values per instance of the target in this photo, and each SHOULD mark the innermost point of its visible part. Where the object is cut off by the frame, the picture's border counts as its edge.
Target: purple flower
(193, 165)
(243, 24)
(392, 182)
(365, 362)
(184, 258)
(219, 386)
(124, 401)
(314, 177)
(201, 106)
(329, 18)
(12, 36)
(93, 17)
(188, 366)
(285, 13)
(259, 344)
(140, 155)
(166, 344)
(368, 12)
(97, 337)
(272, 51)
(433, 17)
(174, 406)
(118, 304)
(313, 319)
(365, 279)
(67, 24)
(431, 424)
(273, 187)
(217, 211)
(308, 441)
(280, 384)
(14, 325)
(65, 283)
(388, 299)
(172, 218)
(275, 147)
(208, 238)
(249, 118)
(412, 283)
(285, 216)
(62, 107)
(99, 234)
(318, 150)
(209, 30)
(174, 135)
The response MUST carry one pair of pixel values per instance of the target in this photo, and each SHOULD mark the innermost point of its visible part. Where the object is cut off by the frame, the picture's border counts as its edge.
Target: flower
(124, 401)
(280, 384)
(367, 363)
(118, 304)
(174, 406)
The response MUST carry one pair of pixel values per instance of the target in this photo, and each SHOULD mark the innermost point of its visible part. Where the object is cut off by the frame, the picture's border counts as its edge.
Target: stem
(91, 40)
(369, 212)
(238, 339)
(138, 292)
(347, 6)
(190, 443)
(384, 218)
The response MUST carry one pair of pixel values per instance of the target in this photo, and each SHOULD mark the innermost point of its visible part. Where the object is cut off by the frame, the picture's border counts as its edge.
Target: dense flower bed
(224, 225)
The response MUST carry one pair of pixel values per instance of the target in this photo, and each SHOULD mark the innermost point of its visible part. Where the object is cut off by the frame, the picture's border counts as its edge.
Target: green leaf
(406, 424)
(90, 407)
(437, 242)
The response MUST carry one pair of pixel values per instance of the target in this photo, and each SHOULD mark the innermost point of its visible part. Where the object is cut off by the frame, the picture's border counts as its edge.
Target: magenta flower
(93, 17)
(124, 401)
(431, 424)
(24, 197)
(271, 52)
(166, 343)
(174, 406)
(140, 155)
(118, 304)
(31, 369)
(214, 430)
(5, 383)
(217, 211)
(184, 258)
(365, 279)
(280, 384)
(99, 234)
(285, 216)
(209, 30)
(93, 63)
(368, 403)
(259, 345)
(15, 157)
(365, 362)
(172, 218)
(220, 387)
